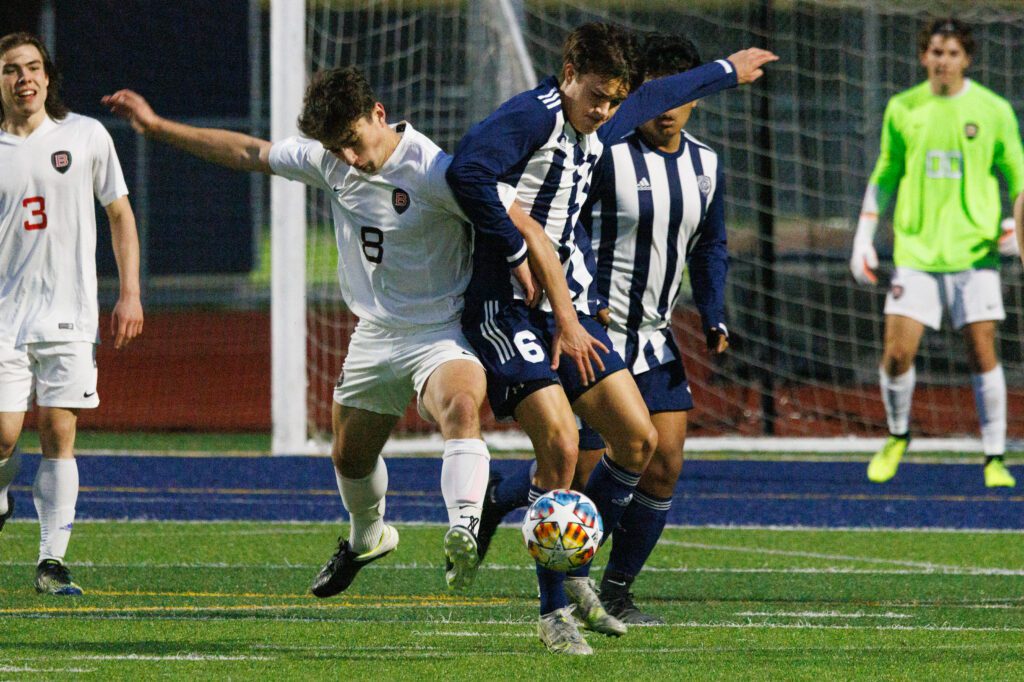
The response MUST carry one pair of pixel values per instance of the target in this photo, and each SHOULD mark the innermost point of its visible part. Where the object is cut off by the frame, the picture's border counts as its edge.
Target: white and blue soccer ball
(563, 530)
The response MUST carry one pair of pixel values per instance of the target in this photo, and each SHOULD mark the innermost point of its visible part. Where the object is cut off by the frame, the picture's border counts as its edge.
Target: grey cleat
(589, 609)
(558, 632)
(462, 559)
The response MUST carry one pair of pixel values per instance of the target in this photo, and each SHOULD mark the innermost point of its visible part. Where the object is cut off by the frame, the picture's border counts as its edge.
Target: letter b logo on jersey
(61, 161)
(400, 200)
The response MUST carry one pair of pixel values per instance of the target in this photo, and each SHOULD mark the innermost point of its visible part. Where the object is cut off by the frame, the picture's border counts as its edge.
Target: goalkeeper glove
(1008, 245)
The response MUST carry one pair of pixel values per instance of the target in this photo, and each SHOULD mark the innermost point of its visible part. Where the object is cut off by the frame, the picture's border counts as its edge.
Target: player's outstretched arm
(224, 147)
(570, 336)
(126, 320)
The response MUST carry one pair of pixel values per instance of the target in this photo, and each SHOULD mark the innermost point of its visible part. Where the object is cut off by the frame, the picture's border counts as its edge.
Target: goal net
(797, 151)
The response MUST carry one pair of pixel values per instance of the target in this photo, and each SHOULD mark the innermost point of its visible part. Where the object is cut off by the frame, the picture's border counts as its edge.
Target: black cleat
(618, 601)
(9, 513)
(340, 570)
(53, 577)
(490, 518)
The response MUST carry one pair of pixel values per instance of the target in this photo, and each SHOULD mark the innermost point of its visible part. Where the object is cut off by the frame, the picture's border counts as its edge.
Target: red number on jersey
(39, 212)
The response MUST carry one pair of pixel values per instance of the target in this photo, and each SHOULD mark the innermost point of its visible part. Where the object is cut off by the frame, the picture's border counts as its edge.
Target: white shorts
(968, 295)
(384, 369)
(57, 374)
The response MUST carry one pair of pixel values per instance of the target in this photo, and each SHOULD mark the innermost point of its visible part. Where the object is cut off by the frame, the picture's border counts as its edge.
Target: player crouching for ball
(55, 164)
(403, 265)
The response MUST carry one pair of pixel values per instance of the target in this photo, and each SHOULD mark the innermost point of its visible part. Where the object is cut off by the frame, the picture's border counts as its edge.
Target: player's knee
(897, 361)
(561, 448)
(461, 412)
(633, 450)
(7, 447)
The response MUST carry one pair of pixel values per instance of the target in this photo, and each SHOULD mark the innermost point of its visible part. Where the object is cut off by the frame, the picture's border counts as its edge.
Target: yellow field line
(441, 599)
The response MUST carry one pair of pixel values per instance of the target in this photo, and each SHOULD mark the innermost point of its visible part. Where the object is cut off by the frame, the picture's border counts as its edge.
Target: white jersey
(48, 185)
(404, 246)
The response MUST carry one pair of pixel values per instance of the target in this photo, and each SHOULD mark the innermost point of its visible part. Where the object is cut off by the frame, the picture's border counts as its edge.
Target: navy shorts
(664, 389)
(514, 345)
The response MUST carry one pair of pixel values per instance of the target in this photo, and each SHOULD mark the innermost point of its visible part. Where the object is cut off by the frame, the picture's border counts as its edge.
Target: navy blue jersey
(529, 146)
(647, 214)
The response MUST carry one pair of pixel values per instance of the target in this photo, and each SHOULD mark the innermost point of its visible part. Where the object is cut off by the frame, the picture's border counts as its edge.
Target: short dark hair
(665, 54)
(334, 100)
(54, 105)
(948, 27)
(608, 50)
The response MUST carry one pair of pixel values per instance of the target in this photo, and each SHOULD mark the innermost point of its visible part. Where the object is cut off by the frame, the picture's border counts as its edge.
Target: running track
(712, 492)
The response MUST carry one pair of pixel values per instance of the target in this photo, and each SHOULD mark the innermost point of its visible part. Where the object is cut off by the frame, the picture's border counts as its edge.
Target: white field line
(924, 565)
(152, 657)
(820, 614)
(796, 570)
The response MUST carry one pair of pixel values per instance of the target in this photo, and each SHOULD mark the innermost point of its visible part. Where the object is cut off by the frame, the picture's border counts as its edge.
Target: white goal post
(797, 150)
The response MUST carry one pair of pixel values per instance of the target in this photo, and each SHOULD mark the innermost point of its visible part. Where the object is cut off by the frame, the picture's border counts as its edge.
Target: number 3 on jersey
(373, 243)
(38, 214)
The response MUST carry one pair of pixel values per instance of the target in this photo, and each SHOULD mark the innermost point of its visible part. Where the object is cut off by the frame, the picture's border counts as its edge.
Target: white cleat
(558, 632)
(462, 558)
(589, 609)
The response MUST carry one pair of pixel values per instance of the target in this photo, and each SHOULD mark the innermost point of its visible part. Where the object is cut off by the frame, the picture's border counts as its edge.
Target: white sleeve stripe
(518, 254)
(726, 64)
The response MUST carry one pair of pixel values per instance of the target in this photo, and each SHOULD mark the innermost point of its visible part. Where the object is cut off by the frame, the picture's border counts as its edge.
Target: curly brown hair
(55, 106)
(334, 100)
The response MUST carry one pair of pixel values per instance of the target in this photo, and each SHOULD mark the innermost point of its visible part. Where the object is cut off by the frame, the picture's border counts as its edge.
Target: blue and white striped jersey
(648, 213)
(528, 145)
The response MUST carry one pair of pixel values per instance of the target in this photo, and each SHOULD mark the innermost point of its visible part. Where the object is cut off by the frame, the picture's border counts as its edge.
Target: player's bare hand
(748, 63)
(126, 320)
(531, 292)
(133, 107)
(574, 341)
(604, 317)
(717, 339)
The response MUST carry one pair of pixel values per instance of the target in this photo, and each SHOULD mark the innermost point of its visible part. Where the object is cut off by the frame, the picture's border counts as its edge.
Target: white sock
(55, 493)
(364, 500)
(897, 393)
(465, 469)
(8, 471)
(990, 399)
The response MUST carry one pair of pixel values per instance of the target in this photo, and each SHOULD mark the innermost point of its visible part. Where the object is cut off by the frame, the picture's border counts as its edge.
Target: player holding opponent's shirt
(544, 143)
(403, 264)
(54, 166)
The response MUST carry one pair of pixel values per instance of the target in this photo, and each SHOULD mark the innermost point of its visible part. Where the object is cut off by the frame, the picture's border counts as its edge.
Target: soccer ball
(563, 530)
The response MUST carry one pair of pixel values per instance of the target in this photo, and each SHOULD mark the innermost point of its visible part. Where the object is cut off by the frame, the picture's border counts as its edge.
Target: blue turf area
(735, 492)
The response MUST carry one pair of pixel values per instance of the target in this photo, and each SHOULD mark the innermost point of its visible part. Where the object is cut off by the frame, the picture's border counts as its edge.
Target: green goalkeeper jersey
(940, 155)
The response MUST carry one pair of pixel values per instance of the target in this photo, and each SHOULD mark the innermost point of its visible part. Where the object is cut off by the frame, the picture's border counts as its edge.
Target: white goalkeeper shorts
(969, 296)
(56, 374)
(385, 368)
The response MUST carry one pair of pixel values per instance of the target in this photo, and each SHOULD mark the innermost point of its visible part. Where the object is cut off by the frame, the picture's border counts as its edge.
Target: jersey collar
(47, 125)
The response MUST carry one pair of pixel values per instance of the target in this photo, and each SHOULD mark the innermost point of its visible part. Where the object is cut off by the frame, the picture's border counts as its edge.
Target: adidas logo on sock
(67, 527)
(623, 501)
(644, 185)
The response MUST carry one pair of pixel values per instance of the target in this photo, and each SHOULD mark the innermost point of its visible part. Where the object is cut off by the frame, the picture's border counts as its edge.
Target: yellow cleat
(998, 476)
(886, 461)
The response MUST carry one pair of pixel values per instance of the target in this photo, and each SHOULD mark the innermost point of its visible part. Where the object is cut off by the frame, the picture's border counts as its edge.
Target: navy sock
(611, 488)
(513, 491)
(552, 593)
(637, 533)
